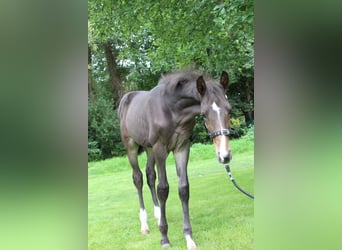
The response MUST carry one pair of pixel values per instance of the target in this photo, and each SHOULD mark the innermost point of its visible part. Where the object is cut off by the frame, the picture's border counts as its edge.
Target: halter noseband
(220, 132)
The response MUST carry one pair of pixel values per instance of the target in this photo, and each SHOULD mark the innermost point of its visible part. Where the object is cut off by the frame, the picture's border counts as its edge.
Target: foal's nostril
(223, 160)
(230, 155)
(225, 157)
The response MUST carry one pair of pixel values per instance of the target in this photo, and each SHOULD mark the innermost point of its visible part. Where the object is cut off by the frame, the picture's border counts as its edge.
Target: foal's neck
(187, 103)
(186, 110)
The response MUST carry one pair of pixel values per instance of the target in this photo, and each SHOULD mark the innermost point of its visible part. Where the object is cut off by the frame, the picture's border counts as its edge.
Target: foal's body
(161, 121)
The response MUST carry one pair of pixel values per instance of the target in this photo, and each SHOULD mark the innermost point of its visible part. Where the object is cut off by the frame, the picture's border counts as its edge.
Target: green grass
(221, 216)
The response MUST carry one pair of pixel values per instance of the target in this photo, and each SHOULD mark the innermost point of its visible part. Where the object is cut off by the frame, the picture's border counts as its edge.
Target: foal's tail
(124, 102)
(123, 105)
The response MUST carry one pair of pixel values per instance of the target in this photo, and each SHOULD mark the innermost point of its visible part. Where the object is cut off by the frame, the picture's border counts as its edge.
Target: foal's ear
(224, 79)
(201, 87)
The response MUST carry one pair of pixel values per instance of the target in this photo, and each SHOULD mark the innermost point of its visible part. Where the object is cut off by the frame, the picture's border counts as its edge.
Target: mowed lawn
(221, 216)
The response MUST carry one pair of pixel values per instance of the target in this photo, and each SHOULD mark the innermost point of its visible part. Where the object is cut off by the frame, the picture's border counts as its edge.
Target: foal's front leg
(160, 155)
(181, 156)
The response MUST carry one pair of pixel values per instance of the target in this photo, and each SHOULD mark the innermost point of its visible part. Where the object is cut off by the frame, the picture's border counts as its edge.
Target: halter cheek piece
(220, 132)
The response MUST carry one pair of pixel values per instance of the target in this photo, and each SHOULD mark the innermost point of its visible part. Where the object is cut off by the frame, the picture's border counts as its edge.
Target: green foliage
(200, 133)
(238, 126)
(94, 153)
(237, 96)
(249, 135)
(160, 36)
(103, 130)
(155, 37)
(234, 22)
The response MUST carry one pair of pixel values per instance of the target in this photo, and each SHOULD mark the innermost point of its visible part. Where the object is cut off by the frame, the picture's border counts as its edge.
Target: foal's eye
(203, 115)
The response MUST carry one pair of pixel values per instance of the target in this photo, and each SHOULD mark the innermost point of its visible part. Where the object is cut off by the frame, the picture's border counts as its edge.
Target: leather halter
(220, 132)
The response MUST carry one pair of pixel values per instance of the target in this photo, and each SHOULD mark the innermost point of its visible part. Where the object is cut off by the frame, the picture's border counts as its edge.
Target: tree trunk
(114, 76)
(91, 92)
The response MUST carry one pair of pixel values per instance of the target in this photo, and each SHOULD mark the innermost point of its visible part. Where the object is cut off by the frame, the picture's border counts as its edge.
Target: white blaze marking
(216, 108)
(223, 151)
(143, 220)
(222, 146)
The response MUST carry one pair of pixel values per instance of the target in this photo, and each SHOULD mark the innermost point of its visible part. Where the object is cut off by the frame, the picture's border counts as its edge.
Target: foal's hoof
(193, 248)
(164, 242)
(190, 243)
(145, 231)
(166, 245)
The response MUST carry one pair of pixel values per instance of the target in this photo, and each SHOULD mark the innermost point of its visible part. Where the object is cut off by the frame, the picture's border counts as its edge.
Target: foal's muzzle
(225, 157)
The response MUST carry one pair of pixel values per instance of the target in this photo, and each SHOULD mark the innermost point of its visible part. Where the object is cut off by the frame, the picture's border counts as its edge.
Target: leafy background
(131, 43)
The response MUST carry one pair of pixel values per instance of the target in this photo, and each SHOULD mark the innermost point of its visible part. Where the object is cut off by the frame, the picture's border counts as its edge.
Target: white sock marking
(157, 213)
(143, 220)
(190, 243)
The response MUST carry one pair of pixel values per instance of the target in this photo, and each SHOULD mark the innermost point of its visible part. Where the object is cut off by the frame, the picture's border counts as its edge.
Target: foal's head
(215, 110)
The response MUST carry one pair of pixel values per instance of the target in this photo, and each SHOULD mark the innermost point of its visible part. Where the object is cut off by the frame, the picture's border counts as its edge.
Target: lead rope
(235, 184)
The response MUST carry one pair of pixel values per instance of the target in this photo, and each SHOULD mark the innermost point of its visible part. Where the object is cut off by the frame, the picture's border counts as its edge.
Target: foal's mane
(177, 77)
(172, 81)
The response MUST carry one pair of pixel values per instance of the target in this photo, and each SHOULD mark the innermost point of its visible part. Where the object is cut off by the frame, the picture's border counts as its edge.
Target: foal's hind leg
(151, 180)
(132, 153)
